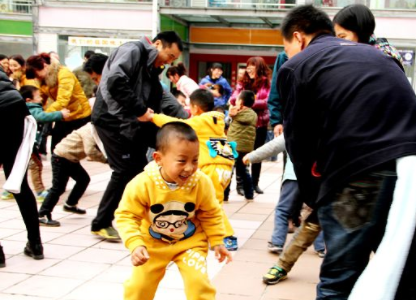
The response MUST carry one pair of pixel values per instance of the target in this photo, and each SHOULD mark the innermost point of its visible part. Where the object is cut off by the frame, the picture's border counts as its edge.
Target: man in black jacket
(128, 90)
(350, 112)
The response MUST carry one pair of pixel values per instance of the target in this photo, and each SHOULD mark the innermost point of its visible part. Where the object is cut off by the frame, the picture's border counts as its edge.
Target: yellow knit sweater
(209, 127)
(149, 208)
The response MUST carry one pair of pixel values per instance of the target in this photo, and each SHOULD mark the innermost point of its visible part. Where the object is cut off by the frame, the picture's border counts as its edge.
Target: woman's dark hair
(262, 77)
(357, 18)
(20, 60)
(307, 19)
(2, 56)
(36, 63)
(179, 69)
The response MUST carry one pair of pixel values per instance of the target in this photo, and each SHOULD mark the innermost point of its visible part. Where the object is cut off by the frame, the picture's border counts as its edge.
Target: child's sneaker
(321, 253)
(274, 248)
(41, 196)
(7, 196)
(74, 209)
(274, 275)
(108, 233)
(47, 221)
(231, 243)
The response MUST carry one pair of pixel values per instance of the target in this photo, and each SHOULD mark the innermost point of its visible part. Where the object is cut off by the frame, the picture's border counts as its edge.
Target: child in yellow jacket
(169, 213)
(216, 158)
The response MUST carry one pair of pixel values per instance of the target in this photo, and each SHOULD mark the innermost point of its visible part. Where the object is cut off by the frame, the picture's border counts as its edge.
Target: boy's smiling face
(179, 161)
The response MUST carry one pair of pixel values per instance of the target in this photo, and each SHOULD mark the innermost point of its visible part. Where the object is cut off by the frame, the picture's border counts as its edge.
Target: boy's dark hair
(202, 98)
(88, 54)
(179, 93)
(307, 19)
(95, 63)
(168, 38)
(247, 97)
(357, 18)
(174, 130)
(27, 91)
(179, 69)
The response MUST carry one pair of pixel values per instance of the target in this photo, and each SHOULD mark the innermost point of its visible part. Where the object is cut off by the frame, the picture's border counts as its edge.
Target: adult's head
(215, 71)
(4, 63)
(257, 74)
(301, 25)
(174, 73)
(355, 23)
(95, 65)
(88, 54)
(169, 45)
(16, 63)
(37, 66)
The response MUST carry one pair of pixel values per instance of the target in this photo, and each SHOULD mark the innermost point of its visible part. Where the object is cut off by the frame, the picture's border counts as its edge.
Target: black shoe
(47, 221)
(258, 190)
(240, 191)
(74, 209)
(35, 251)
(2, 258)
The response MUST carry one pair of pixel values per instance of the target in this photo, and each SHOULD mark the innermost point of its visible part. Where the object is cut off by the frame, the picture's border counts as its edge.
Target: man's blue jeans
(353, 221)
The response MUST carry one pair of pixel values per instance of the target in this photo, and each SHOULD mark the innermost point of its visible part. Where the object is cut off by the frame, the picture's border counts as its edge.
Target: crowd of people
(329, 100)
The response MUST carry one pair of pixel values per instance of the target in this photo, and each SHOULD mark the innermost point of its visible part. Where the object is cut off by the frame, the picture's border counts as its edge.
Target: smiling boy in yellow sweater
(169, 213)
(216, 158)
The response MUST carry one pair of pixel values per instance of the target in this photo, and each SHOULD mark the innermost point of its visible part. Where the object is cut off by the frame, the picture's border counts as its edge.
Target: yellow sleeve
(65, 89)
(210, 213)
(160, 119)
(131, 211)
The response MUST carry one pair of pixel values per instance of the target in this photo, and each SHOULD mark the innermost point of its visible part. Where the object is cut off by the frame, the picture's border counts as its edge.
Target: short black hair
(179, 93)
(27, 91)
(2, 56)
(168, 38)
(247, 97)
(170, 132)
(357, 18)
(202, 98)
(88, 54)
(307, 19)
(95, 63)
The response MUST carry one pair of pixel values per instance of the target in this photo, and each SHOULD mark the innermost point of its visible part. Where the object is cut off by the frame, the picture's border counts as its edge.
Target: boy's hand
(139, 256)
(233, 110)
(147, 117)
(278, 130)
(65, 113)
(221, 253)
(246, 160)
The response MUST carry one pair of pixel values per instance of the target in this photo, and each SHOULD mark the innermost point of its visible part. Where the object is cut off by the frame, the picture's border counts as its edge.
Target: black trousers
(261, 134)
(11, 132)
(62, 170)
(127, 158)
(63, 128)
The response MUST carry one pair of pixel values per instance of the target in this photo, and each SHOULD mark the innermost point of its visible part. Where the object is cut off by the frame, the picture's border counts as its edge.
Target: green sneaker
(41, 196)
(108, 233)
(7, 196)
(274, 275)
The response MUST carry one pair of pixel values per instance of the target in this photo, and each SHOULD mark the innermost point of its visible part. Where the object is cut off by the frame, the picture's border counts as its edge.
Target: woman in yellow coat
(17, 66)
(60, 85)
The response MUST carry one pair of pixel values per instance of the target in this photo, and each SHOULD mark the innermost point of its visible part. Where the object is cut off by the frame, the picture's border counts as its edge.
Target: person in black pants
(13, 111)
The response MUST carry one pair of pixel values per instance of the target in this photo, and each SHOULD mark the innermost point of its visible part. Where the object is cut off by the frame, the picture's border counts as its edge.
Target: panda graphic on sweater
(170, 221)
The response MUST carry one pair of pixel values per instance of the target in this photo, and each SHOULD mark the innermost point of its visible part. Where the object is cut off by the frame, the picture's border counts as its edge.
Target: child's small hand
(147, 117)
(246, 160)
(139, 256)
(233, 110)
(221, 253)
(65, 113)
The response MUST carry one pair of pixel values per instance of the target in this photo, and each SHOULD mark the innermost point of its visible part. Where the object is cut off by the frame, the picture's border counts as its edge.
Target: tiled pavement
(80, 266)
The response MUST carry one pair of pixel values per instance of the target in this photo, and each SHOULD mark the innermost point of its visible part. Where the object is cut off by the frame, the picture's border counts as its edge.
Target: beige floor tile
(170, 294)
(27, 265)
(115, 274)
(80, 240)
(60, 251)
(250, 255)
(10, 279)
(243, 224)
(20, 297)
(75, 270)
(6, 232)
(100, 256)
(96, 290)
(249, 217)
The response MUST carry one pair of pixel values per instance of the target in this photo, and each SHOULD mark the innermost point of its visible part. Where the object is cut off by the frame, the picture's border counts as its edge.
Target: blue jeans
(353, 221)
(319, 244)
(288, 195)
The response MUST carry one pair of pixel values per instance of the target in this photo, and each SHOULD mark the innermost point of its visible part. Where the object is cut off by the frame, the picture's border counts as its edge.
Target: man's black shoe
(240, 191)
(2, 258)
(258, 190)
(35, 251)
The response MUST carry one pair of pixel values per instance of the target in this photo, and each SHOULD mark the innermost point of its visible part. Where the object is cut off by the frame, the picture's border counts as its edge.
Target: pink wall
(95, 18)
(396, 28)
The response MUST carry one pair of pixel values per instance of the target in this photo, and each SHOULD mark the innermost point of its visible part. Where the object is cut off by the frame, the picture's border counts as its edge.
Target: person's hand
(221, 253)
(278, 130)
(147, 116)
(139, 256)
(65, 113)
(232, 111)
(246, 160)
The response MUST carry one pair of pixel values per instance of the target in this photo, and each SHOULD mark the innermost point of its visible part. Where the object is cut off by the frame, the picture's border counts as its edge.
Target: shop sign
(408, 57)
(96, 42)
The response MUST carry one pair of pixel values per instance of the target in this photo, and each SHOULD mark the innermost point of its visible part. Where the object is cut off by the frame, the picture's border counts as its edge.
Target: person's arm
(261, 99)
(274, 101)
(269, 149)
(227, 89)
(235, 94)
(121, 69)
(160, 119)
(170, 106)
(66, 83)
(188, 86)
(45, 117)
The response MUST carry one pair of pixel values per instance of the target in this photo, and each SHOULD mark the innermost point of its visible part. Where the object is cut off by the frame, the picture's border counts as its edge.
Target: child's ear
(157, 156)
